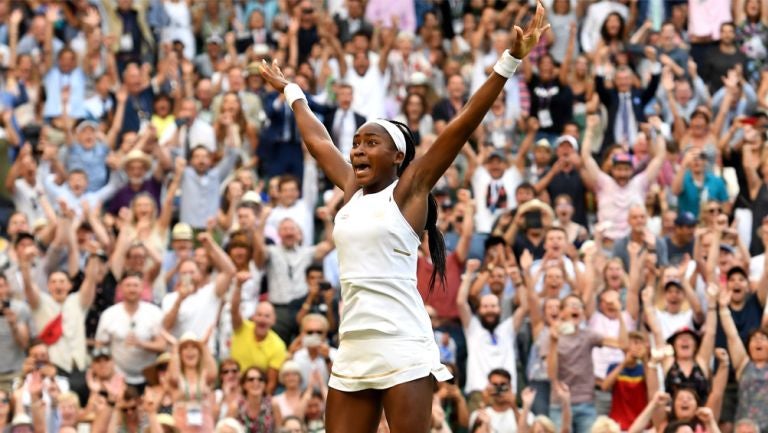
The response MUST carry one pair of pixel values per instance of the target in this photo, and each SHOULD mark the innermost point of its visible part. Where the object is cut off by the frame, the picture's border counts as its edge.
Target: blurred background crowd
(167, 259)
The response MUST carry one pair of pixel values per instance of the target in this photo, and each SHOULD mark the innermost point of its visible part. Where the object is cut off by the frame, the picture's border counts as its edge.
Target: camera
(533, 220)
(500, 388)
(324, 286)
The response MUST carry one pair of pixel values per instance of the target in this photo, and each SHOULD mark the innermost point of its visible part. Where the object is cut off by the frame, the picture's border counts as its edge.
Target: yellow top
(265, 354)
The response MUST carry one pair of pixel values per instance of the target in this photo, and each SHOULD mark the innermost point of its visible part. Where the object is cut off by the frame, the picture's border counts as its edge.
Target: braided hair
(436, 241)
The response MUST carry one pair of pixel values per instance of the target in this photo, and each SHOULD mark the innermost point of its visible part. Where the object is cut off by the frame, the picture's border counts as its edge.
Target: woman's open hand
(273, 75)
(524, 41)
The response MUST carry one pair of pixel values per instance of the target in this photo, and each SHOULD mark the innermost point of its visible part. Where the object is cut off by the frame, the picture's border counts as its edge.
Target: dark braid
(436, 241)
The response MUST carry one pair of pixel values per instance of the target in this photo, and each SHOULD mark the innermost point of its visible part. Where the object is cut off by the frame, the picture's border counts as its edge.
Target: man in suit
(341, 120)
(626, 103)
(354, 22)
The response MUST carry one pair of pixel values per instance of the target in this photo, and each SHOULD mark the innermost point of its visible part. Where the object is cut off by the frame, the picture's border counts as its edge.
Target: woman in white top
(387, 354)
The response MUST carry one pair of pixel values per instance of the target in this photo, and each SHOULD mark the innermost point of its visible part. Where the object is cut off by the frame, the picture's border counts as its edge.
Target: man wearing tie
(341, 120)
(626, 103)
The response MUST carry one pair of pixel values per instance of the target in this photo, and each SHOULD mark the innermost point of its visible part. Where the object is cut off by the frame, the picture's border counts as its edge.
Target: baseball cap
(622, 158)
(543, 142)
(671, 283)
(686, 219)
(727, 248)
(568, 139)
(497, 154)
(737, 270)
(87, 124)
(214, 39)
(251, 197)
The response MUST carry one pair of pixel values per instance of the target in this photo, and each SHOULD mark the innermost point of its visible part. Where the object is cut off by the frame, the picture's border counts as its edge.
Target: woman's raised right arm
(314, 134)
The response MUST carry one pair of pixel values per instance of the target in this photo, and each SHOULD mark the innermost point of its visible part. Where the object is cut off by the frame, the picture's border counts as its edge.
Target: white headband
(393, 131)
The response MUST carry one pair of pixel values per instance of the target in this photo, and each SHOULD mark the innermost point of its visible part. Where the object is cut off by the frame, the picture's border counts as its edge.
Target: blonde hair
(603, 424)
(314, 316)
(69, 397)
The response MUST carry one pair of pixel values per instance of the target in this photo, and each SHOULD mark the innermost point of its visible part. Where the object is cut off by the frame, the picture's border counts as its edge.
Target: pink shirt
(613, 202)
(706, 16)
(383, 10)
(604, 356)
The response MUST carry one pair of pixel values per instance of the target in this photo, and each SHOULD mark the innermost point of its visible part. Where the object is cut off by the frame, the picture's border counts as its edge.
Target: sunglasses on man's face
(229, 371)
(314, 332)
(255, 378)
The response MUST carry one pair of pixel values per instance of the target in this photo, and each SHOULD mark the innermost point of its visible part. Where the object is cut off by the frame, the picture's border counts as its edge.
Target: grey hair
(747, 422)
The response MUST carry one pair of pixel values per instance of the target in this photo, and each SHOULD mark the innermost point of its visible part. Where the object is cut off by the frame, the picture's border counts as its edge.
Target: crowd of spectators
(167, 256)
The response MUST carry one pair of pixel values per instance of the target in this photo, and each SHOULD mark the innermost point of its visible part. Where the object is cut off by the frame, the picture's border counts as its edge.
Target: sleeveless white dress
(385, 333)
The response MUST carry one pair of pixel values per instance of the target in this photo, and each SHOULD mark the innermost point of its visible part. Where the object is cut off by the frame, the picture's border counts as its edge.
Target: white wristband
(293, 93)
(506, 65)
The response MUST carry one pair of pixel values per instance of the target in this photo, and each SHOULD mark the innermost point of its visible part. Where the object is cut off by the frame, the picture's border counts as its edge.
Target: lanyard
(198, 392)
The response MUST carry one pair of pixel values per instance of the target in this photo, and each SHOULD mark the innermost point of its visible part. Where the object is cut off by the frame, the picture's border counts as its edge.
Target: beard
(490, 322)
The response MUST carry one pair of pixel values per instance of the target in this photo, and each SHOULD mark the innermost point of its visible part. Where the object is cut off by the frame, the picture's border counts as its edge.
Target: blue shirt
(200, 192)
(54, 81)
(690, 197)
(92, 162)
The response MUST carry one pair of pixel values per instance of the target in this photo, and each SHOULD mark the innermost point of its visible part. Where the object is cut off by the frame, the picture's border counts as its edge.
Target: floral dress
(263, 423)
(753, 395)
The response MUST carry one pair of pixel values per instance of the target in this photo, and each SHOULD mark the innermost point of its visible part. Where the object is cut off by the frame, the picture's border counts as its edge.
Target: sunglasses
(255, 378)
(229, 371)
(313, 332)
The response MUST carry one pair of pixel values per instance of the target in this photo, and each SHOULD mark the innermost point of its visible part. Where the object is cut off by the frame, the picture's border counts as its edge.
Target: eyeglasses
(229, 371)
(255, 378)
(313, 332)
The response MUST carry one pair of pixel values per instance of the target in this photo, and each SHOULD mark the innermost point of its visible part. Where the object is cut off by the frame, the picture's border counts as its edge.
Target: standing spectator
(342, 121)
(311, 351)
(640, 235)
(194, 304)
(626, 380)
(285, 265)
(254, 343)
(722, 57)
(694, 184)
(202, 180)
(570, 349)
(493, 182)
(15, 333)
(447, 108)
(131, 330)
(353, 22)
(625, 102)
(617, 191)
(681, 241)
(490, 341)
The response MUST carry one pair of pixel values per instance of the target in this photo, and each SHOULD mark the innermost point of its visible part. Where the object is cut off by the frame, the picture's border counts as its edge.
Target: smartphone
(533, 220)
(324, 286)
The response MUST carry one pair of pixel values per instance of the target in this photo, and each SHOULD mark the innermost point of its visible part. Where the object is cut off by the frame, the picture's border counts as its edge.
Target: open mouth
(361, 168)
(575, 316)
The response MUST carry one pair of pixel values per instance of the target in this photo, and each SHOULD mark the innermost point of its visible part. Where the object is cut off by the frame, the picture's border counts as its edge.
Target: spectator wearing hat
(137, 166)
(681, 308)
(618, 190)
(639, 234)
(290, 400)
(15, 330)
(681, 241)
(493, 183)
(694, 184)
(182, 248)
(626, 381)
(206, 62)
(564, 177)
(746, 306)
(22, 423)
(87, 152)
(102, 376)
(130, 329)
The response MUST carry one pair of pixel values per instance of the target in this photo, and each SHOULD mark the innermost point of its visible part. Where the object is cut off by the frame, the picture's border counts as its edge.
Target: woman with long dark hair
(387, 356)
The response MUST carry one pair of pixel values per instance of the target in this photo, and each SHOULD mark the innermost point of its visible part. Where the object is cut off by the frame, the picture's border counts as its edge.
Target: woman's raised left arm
(424, 172)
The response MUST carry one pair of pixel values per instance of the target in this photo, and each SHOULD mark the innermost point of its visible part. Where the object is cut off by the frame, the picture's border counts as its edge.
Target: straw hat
(151, 372)
(137, 155)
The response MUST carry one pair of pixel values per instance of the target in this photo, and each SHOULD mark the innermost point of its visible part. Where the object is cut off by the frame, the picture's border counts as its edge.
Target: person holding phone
(320, 297)
(387, 357)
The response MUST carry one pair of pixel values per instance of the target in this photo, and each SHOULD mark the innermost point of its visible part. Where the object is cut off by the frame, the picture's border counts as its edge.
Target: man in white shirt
(490, 341)
(369, 81)
(493, 186)
(290, 205)
(194, 306)
(311, 350)
(131, 330)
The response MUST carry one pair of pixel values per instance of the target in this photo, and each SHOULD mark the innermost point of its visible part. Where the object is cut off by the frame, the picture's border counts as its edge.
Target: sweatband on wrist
(293, 93)
(506, 65)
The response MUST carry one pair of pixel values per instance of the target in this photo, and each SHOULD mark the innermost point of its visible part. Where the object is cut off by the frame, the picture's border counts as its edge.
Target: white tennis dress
(386, 335)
